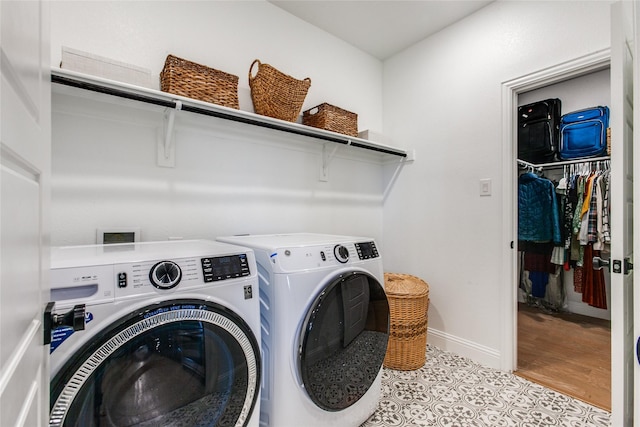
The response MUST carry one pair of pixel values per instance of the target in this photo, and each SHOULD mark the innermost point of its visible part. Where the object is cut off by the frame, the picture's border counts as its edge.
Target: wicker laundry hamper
(408, 298)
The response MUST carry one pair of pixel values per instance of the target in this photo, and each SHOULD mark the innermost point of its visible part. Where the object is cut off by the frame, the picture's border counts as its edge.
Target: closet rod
(539, 166)
(346, 140)
(529, 165)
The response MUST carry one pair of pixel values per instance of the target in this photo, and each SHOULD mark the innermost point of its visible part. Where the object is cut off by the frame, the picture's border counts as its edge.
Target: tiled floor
(451, 391)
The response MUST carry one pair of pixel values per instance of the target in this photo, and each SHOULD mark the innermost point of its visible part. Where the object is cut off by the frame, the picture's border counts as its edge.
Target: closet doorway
(622, 60)
(563, 335)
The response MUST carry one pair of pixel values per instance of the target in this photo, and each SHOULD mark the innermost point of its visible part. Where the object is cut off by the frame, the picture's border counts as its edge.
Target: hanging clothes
(569, 203)
(594, 291)
(590, 225)
(578, 274)
(606, 210)
(602, 188)
(537, 256)
(539, 233)
(573, 220)
(538, 219)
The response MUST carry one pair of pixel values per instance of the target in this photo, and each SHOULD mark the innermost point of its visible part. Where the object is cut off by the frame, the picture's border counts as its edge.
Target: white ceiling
(381, 28)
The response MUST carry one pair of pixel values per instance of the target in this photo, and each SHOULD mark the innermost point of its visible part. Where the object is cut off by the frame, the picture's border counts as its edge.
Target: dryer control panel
(329, 255)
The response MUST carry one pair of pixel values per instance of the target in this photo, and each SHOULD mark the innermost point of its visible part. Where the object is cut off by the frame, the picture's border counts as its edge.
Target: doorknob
(616, 266)
(599, 263)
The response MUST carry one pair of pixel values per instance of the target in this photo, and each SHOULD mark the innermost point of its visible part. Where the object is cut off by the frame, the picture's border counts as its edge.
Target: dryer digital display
(225, 267)
(367, 250)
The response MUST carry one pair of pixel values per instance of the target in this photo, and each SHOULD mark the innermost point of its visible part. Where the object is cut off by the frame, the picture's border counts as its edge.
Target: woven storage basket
(408, 298)
(276, 94)
(329, 117)
(186, 78)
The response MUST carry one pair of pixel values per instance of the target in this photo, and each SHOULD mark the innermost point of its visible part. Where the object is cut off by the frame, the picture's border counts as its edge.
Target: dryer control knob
(341, 253)
(165, 275)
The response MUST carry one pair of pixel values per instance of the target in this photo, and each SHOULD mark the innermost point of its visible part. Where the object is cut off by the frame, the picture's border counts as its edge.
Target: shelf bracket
(166, 145)
(327, 158)
(411, 157)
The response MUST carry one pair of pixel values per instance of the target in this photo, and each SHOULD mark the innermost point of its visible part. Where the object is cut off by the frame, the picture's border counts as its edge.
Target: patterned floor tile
(452, 391)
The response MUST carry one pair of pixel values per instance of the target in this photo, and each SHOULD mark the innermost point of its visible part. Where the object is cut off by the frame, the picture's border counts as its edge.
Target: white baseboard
(478, 353)
(587, 310)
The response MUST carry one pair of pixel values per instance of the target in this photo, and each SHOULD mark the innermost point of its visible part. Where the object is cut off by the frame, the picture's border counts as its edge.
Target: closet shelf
(155, 97)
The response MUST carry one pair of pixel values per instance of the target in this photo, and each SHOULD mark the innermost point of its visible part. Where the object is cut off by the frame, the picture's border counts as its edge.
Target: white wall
(443, 98)
(228, 178)
(226, 35)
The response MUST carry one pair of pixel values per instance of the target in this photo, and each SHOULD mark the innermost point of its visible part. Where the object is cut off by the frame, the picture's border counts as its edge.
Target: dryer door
(344, 340)
(178, 363)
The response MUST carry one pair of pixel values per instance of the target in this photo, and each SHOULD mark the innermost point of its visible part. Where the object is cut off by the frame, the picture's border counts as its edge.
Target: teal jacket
(538, 217)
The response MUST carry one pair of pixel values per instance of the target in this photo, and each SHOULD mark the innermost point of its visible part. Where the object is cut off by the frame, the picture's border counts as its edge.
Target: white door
(622, 165)
(636, 210)
(25, 157)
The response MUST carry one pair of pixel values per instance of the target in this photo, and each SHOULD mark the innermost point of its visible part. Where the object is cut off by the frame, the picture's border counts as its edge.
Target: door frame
(510, 90)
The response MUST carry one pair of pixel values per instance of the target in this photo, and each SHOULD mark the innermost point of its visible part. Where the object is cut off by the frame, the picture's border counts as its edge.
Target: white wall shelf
(62, 77)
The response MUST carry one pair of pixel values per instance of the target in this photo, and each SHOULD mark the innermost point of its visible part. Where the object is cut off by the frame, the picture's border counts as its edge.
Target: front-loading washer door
(177, 363)
(344, 340)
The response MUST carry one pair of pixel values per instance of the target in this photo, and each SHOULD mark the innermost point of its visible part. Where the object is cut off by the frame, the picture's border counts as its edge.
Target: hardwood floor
(566, 352)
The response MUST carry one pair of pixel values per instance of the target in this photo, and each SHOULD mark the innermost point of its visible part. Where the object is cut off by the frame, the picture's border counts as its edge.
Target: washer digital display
(225, 267)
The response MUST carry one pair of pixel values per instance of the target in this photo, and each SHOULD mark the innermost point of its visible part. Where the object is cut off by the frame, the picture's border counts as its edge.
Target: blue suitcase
(583, 133)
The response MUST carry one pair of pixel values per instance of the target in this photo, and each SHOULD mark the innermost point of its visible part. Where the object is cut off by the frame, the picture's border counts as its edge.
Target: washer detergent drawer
(182, 362)
(70, 286)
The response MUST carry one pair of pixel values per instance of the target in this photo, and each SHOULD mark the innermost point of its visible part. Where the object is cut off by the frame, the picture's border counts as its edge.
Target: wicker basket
(408, 298)
(329, 117)
(186, 78)
(276, 94)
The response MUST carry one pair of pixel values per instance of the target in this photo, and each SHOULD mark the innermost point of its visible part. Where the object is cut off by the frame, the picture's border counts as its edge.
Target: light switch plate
(485, 187)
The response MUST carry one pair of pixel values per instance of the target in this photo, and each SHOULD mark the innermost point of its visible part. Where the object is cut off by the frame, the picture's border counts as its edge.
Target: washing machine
(325, 327)
(154, 334)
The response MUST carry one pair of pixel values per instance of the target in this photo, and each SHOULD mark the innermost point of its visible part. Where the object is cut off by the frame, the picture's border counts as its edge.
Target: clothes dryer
(325, 327)
(171, 335)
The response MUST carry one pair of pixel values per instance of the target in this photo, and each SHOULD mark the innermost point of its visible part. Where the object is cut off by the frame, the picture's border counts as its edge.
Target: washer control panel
(225, 267)
(163, 275)
(186, 272)
(95, 274)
